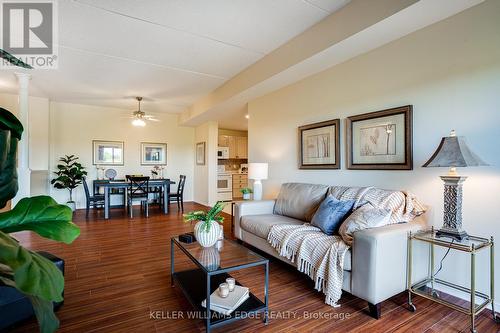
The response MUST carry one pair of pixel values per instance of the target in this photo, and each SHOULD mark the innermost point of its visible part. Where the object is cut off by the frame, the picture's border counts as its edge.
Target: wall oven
(224, 187)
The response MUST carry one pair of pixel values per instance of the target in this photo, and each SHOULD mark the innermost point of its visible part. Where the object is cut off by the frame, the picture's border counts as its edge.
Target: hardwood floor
(118, 272)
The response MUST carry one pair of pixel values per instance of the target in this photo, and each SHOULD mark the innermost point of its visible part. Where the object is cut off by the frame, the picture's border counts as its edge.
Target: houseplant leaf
(13, 60)
(33, 274)
(42, 215)
(44, 312)
(10, 133)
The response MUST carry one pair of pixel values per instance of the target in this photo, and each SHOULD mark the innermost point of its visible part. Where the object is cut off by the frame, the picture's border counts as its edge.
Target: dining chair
(94, 201)
(138, 190)
(179, 195)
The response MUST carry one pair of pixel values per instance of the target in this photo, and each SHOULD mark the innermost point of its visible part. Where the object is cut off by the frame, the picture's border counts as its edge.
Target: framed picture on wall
(380, 140)
(319, 145)
(107, 152)
(200, 153)
(153, 153)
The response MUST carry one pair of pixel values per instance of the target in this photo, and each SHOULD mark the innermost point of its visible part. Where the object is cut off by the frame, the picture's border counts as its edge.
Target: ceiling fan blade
(153, 119)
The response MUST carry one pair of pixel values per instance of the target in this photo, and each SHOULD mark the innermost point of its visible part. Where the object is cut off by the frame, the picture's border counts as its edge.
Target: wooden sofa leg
(375, 310)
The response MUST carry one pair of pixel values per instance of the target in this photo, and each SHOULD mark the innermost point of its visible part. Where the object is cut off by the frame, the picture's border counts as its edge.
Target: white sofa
(375, 266)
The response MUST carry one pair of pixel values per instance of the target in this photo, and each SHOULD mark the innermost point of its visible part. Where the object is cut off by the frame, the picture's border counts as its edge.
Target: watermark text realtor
(29, 31)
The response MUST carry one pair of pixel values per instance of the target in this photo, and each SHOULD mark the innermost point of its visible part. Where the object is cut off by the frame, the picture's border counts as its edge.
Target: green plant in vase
(70, 174)
(246, 191)
(27, 271)
(208, 230)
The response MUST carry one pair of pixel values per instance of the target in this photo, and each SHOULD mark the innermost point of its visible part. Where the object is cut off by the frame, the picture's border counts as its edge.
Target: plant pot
(204, 237)
(246, 196)
(72, 205)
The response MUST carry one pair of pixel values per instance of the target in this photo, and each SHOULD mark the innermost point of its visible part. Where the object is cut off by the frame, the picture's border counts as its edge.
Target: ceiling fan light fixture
(138, 122)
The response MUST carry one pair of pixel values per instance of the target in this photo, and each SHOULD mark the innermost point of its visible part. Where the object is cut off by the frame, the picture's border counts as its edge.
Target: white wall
(450, 73)
(73, 127)
(205, 176)
(39, 127)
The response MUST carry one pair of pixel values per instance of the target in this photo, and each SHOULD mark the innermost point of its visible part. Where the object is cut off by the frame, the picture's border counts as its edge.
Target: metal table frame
(473, 310)
(209, 326)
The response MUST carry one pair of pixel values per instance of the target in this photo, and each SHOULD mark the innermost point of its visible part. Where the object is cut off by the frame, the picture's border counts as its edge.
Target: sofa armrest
(379, 261)
(250, 208)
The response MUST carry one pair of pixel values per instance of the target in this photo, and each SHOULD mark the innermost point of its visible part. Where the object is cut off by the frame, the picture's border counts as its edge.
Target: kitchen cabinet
(238, 145)
(241, 147)
(232, 147)
(239, 181)
(223, 141)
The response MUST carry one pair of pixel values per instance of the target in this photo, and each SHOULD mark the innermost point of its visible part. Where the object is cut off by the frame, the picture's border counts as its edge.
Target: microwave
(223, 153)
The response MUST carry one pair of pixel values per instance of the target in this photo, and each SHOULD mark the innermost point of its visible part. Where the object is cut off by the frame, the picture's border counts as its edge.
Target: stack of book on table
(227, 305)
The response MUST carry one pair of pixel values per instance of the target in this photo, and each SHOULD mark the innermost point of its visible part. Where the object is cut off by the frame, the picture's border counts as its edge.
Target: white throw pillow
(365, 217)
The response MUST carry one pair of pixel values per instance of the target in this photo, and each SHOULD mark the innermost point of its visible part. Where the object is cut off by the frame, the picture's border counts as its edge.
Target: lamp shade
(454, 152)
(257, 171)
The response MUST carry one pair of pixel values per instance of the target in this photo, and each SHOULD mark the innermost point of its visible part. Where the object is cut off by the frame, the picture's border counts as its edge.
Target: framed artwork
(153, 153)
(200, 153)
(380, 140)
(319, 145)
(107, 152)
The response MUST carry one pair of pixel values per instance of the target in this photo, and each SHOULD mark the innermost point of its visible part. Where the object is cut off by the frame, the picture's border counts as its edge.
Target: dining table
(109, 185)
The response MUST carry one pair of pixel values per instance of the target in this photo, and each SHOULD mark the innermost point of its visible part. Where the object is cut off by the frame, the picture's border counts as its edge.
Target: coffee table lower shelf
(193, 285)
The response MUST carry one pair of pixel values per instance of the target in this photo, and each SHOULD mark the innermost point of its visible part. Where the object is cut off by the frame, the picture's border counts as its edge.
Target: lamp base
(257, 190)
(458, 235)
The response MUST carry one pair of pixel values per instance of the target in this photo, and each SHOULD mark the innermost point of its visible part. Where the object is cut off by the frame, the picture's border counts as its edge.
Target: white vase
(246, 196)
(204, 237)
(72, 205)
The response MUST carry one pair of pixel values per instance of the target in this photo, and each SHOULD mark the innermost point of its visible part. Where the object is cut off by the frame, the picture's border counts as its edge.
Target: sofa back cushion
(299, 201)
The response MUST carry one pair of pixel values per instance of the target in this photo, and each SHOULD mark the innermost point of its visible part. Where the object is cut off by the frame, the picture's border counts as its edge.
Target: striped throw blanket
(403, 205)
(316, 254)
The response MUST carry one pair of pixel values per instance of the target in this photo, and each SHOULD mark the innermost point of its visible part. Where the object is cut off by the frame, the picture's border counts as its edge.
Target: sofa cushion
(299, 201)
(404, 206)
(260, 225)
(365, 217)
(331, 213)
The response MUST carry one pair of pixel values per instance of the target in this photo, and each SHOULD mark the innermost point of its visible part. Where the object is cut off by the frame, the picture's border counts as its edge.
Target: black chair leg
(182, 204)
(87, 211)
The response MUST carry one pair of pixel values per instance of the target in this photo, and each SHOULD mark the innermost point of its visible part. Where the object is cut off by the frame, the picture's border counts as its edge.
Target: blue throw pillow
(331, 213)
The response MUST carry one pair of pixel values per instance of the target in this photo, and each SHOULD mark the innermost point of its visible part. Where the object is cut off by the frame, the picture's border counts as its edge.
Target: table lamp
(453, 152)
(257, 172)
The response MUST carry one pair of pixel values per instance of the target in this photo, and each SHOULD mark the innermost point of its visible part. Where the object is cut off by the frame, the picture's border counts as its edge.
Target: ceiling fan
(140, 117)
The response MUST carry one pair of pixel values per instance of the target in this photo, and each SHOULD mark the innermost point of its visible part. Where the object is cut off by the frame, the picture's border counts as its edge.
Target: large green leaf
(10, 133)
(9, 122)
(42, 215)
(13, 60)
(44, 312)
(33, 274)
(44, 309)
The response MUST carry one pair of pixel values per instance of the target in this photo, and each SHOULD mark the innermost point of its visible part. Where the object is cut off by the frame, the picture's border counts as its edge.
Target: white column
(23, 153)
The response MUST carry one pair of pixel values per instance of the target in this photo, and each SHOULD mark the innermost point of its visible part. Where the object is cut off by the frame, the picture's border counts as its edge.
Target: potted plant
(27, 271)
(70, 174)
(246, 193)
(207, 231)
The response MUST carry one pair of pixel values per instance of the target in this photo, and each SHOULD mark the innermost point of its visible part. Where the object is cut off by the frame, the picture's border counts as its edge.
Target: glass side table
(429, 286)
